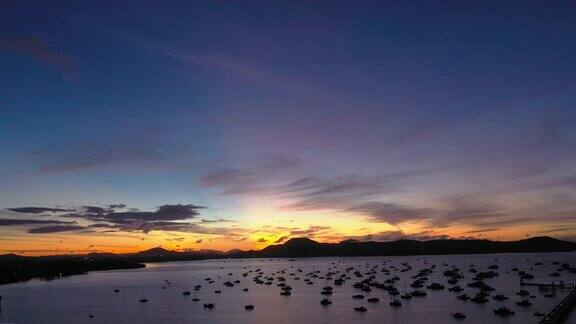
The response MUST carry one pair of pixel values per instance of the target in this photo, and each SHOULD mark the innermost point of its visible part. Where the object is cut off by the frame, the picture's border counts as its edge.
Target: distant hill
(303, 247)
(9, 257)
(156, 252)
(15, 268)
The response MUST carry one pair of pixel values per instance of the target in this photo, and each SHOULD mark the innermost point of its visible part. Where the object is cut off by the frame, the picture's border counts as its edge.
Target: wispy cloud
(310, 231)
(251, 179)
(398, 235)
(120, 218)
(55, 229)
(165, 212)
(117, 154)
(281, 239)
(465, 209)
(37, 210)
(224, 63)
(37, 49)
(21, 222)
(483, 230)
(215, 221)
(391, 213)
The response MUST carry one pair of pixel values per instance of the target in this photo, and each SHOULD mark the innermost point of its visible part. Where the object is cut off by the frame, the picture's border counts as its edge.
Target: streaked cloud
(250, 179)
(37, 210)
(281, 239)
(391, 213)
(55, 229)
(39, 50)
(111, 218)
(398, 235)
(310, 231)
(20, 222)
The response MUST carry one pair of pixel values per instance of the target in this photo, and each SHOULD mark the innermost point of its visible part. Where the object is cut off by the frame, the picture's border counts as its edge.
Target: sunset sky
(126, 125)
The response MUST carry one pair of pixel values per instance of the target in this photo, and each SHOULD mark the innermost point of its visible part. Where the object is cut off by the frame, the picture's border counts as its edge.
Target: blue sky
(427, 118)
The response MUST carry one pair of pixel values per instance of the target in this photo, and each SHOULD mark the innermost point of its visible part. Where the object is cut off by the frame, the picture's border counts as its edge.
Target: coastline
(15, 268)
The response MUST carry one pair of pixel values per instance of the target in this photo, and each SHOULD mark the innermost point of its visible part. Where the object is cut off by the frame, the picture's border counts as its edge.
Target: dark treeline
(15, 268)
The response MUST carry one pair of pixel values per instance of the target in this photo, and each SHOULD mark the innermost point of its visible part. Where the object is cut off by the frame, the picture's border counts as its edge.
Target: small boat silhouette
(143, 300)
(500, 297)
(503, 311)
(395, 303)
(524, 303)
(325, 302)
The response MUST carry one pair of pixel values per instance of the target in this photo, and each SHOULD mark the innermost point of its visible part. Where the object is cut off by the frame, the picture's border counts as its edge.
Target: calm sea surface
(74, 299)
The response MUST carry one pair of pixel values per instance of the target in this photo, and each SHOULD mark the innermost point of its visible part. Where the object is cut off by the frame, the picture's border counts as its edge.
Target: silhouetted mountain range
(15, 268)
(303, 247)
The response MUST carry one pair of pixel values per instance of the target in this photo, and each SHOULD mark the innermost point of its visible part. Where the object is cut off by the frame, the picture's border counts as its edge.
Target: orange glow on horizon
(260, 236)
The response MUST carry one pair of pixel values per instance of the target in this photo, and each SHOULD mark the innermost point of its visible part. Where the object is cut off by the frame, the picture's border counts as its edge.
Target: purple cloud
(55, 229)
(37, 49)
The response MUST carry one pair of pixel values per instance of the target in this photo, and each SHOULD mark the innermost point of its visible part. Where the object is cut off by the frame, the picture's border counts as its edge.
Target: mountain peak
(541, 238)
(300, 241)
(155, 251)
(10, 256)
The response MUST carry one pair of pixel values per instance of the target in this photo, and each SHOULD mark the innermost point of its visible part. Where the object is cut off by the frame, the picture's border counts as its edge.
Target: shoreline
(50, 275)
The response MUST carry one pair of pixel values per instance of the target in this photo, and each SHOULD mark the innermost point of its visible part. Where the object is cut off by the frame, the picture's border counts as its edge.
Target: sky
(198, 125)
